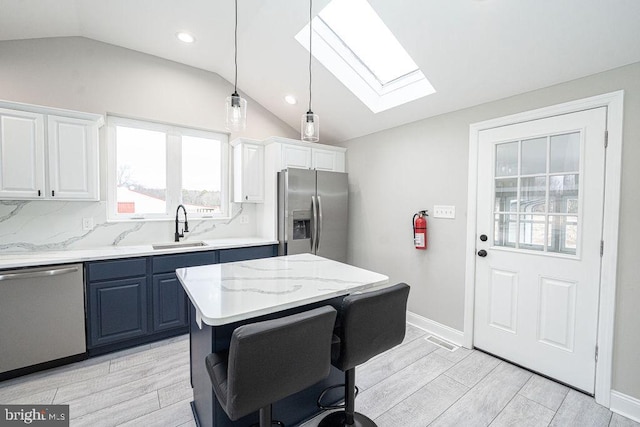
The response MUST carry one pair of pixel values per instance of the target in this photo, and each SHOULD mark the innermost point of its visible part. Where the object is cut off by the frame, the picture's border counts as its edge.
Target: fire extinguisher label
(419, 239)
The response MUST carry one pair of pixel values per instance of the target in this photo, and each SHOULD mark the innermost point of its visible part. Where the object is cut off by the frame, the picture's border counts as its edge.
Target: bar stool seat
(268, 361)
(368, 324)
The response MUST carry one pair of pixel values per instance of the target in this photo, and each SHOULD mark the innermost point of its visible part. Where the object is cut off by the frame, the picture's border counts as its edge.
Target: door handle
(35, 274)
(482, 253)
(319, 224)
(314, 230)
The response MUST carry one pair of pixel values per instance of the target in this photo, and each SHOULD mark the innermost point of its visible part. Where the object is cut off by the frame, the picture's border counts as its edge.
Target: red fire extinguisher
(420, 230)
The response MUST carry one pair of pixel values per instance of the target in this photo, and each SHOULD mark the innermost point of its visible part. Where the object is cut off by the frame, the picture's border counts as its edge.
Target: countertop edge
(45, 258)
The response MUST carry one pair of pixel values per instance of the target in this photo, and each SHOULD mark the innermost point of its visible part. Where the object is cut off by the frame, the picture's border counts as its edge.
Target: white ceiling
(472, 51)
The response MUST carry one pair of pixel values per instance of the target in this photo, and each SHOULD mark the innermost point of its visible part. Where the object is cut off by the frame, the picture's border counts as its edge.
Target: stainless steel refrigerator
(312, 213)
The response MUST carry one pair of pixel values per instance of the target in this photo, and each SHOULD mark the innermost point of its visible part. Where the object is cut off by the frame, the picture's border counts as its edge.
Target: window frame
(335, 54)
(174, 134)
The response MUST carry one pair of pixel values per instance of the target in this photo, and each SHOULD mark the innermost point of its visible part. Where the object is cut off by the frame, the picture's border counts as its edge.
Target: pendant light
(236, 106)
(310, 125)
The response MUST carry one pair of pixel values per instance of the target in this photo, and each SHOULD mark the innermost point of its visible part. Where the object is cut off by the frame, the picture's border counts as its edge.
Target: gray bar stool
(368, 324)
(268, 361)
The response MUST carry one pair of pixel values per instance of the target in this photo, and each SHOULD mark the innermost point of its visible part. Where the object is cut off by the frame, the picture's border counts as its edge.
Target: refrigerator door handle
(314, 230)
(319, 232)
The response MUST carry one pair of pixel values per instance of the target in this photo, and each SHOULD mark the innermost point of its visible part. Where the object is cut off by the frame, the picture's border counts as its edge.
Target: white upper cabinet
(48, 154)
(292, 153)
(295, 156)
(327, 160)
(21, 155)
(248, 171)
(73, 158)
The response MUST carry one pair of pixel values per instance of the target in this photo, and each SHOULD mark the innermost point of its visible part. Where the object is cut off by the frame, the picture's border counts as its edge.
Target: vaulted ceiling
(472, 51)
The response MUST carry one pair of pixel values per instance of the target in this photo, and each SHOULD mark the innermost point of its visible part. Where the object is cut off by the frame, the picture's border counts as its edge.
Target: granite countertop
(227, 293)
(41, 258)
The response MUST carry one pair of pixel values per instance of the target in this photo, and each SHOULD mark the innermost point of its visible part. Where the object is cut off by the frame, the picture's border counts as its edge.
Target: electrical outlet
(87, 224)
(440, 211)
(244, 219)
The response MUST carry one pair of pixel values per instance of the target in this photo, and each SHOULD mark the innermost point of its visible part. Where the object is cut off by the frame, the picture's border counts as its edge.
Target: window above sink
(154, 167)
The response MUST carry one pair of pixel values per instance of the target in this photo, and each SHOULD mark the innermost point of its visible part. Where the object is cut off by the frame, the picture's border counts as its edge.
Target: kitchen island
(225, 296)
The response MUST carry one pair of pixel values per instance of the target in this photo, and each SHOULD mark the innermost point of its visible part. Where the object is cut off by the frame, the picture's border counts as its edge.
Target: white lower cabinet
(46, 155)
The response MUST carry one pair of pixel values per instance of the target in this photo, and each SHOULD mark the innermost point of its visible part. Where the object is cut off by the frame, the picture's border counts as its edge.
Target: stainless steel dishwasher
(41, 316)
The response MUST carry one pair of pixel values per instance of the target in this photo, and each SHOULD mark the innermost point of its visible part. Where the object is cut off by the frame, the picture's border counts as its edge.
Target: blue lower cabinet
(133, 301)
(117, 310)
(169, 302)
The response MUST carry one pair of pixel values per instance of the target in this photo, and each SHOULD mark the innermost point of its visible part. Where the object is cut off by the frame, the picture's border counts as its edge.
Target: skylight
(353, 42)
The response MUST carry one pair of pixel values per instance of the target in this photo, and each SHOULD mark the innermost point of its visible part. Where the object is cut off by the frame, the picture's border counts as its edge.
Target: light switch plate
(441, 211)
(244, 219)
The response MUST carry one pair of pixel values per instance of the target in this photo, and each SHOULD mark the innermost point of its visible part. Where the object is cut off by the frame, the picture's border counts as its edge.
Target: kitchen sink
(178, 245)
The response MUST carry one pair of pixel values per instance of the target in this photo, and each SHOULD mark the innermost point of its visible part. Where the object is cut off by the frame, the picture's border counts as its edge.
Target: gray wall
(397, 172)
(81, 74)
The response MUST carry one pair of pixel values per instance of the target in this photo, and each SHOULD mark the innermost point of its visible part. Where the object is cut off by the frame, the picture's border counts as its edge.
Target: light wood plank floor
(415, 384)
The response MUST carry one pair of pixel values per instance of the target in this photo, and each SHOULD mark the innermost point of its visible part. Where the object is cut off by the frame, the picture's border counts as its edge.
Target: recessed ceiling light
(290, 99)
(185, 37)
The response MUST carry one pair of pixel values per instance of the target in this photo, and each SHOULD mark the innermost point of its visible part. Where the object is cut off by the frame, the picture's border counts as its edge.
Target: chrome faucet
(186, 223)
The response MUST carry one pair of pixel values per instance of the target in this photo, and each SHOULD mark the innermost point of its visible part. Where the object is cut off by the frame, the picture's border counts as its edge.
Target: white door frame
(606, 317)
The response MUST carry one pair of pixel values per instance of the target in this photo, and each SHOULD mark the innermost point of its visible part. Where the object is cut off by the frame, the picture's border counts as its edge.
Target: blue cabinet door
(169, 302)
(117, 310)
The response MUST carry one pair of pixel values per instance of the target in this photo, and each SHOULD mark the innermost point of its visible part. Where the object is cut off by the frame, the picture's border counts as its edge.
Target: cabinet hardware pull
(38, 193)
(53, 193)
(44, 273)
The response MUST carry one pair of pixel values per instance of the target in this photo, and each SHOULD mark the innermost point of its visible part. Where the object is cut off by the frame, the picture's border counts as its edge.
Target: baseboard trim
(438, 329)
(626, 406)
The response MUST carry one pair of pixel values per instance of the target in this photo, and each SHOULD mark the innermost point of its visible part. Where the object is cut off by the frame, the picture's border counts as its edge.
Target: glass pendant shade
(310, 127)
(236, 112)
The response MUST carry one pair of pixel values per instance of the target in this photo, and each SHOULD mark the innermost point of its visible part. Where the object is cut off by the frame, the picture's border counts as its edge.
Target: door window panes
(507, 195)
(533, 194)
(507, 159)
(537, 194)
(563, 194)
(563, 234)
(505, 230)
(141, 186)
(534, 156)
(564, 155)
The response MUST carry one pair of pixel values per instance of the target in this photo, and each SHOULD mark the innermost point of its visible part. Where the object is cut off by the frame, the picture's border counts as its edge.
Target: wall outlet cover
(87, 224)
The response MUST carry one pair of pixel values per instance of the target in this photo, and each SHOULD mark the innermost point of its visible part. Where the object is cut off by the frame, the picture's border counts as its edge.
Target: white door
(73, 158)
(539, 222)
(21, 155)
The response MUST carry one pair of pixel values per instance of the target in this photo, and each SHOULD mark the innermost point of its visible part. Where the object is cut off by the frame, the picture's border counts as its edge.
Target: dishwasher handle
(42, 273)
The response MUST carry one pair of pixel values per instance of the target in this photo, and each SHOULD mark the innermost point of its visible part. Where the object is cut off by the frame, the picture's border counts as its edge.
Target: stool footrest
(328, 389)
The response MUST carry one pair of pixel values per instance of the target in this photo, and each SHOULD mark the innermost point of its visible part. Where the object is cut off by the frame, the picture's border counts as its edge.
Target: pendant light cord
(235, 83)
(310, 38)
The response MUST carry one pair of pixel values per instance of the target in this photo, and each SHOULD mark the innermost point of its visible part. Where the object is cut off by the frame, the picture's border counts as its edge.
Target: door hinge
(601, 247)
(606, 138)
(596, 353)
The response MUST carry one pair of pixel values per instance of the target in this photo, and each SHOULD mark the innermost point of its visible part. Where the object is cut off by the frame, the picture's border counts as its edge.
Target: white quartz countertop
(30, 259)
(227, 293)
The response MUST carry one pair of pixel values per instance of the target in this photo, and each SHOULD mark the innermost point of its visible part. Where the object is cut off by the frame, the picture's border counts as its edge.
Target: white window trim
(174, 183)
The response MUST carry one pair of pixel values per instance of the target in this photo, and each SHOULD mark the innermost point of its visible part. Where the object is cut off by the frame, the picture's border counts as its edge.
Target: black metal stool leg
(265, 416)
